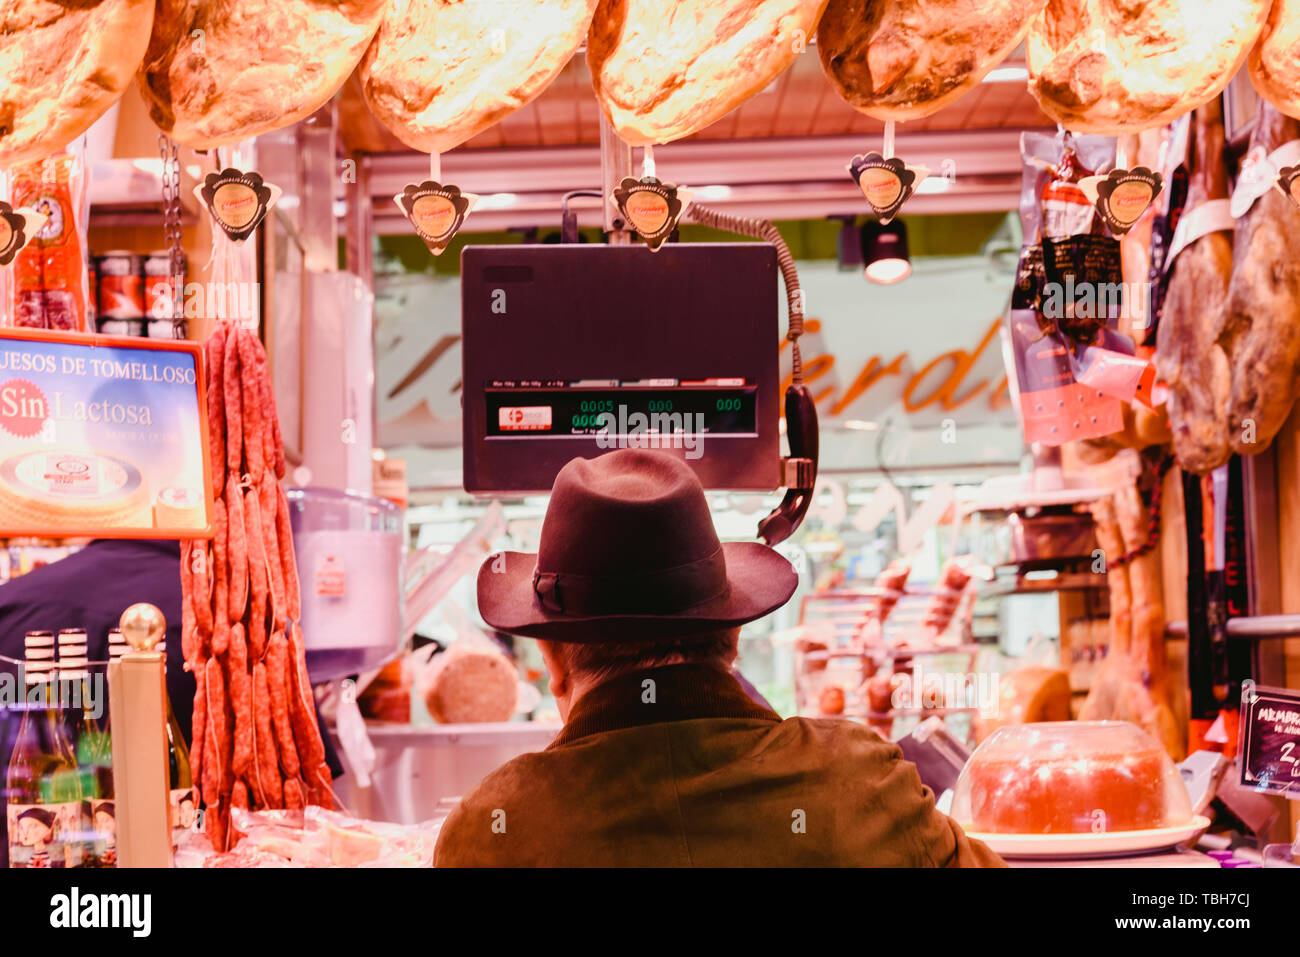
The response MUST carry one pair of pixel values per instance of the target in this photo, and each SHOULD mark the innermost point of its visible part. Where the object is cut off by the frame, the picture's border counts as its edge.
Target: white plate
(1090, 845)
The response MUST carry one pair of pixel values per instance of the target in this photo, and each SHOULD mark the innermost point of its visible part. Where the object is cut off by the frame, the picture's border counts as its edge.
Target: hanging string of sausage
(256, 743)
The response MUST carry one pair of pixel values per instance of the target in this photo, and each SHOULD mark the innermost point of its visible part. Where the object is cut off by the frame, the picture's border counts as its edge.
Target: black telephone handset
(801, 466)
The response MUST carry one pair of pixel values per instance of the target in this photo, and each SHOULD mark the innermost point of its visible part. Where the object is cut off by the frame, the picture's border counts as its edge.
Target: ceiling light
(884, 250)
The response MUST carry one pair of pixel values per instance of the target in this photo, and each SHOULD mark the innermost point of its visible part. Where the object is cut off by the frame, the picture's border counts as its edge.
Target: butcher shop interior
(388, 387)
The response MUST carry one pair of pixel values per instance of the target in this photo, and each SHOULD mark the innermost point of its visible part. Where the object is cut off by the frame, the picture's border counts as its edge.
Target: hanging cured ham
(665, 70)
(905, 59)
(439, 72)
(62, 65)
(1261, 326)
(1189, 356)
(1275, 60)
(221, 71)
(1115, 66)
(1133, 681)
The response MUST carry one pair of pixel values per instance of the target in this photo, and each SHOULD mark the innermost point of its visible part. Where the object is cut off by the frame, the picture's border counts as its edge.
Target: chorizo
(258, 563)
(216, 747)
(214, 352)
(189, 629)
(293, 796)
(268, 765)
(306, 732)
(274, 440)
(253, 428)
(199, 724)
(200, 570)
(266, 506)
(277, 677)
(237, 549)
(284, 538)
(241, 700)
(231, 394)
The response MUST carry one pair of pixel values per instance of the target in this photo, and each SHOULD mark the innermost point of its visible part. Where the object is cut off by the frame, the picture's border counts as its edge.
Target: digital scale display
(577, 350)
(714, 407)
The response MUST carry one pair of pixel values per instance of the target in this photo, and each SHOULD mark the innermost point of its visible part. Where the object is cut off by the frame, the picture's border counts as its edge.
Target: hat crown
(625, 512)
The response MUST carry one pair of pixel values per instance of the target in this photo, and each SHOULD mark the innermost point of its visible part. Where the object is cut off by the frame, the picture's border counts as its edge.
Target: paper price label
(1122, 195)
(237, 201)
(436, 211)
(17, 228)
(651, 207)
(886, 183)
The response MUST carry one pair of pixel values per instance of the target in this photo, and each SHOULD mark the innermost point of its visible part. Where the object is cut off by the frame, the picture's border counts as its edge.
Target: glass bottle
(44, 787)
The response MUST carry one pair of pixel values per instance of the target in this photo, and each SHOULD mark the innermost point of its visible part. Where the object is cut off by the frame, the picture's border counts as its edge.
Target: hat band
(664, 591)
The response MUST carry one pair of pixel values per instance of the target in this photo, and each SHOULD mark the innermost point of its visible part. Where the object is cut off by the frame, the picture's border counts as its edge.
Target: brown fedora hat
(627, 547)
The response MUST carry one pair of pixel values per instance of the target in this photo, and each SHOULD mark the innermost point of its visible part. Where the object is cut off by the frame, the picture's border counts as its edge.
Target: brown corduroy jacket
(687, 771)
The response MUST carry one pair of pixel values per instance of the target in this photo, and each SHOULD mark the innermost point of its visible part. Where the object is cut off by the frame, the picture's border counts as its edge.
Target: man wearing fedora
(663, 759)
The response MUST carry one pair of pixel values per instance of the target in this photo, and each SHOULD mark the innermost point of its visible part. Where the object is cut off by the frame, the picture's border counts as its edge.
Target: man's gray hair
(603, 660)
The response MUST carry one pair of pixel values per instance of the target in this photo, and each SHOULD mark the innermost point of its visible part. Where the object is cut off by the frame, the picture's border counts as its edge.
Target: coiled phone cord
(764, 229)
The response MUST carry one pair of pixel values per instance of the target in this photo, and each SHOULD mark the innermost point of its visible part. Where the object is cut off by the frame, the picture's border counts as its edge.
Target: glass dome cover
(1070, 777)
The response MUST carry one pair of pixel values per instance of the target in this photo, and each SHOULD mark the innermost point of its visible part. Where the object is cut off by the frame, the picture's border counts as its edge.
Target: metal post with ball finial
(137, 698)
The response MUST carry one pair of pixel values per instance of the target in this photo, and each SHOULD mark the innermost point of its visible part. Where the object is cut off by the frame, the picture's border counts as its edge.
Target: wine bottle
(184, 800)
(44, 788)
(86, 737)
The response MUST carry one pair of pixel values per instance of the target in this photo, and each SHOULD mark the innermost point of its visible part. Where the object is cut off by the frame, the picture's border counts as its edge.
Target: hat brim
(760, 581)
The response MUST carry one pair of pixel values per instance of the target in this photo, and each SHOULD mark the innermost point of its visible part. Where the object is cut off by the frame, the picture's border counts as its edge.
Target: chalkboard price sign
(1270, 739)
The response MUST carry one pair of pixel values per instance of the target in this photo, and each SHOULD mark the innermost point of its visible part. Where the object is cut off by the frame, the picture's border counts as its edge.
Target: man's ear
(556, 667)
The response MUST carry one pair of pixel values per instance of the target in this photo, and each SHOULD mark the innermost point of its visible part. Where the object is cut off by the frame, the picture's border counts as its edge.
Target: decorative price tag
(17, 229)
(652, 207)
(238, 201)
(1288, 181)
(886, 183)
(436, 211)
(1122, 195)
(1270, 739)
(1260, 171)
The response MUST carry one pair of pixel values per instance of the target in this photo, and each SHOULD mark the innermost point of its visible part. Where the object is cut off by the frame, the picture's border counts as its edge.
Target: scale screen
(623, 409)
(577, 350)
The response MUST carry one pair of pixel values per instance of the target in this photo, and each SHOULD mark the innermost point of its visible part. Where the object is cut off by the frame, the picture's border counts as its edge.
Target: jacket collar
(678, 693)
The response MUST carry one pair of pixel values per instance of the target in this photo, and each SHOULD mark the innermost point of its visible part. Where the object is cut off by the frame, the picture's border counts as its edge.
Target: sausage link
(271, 551)
(199, 724)
(268, 765)
(250, 386)
(306, 732)
(257, 555)
(215, 749)
(200, 569)
(274, 440)
(220, 569)
(237, 548)
(234, 411)
(238, 799)
(277, 677)
(293, 799)
(214, 353)
(215, 821)
(241, 700)
(284, 536)
(189, 627)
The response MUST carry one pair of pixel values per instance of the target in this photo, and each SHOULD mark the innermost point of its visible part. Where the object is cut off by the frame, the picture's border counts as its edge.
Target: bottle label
(185, 812)
(103, 832)
(38, 832)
